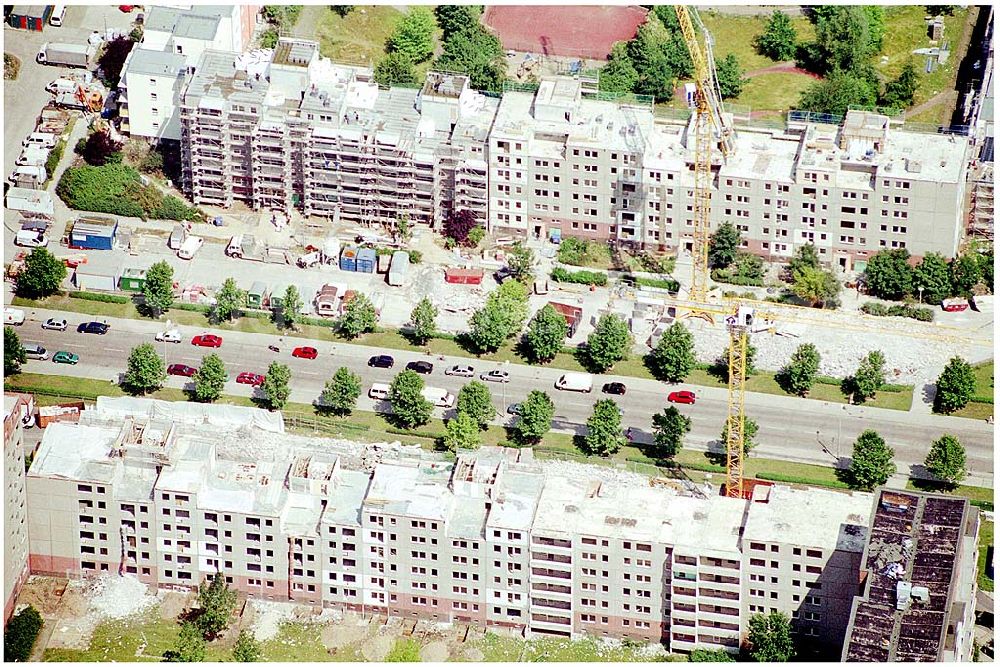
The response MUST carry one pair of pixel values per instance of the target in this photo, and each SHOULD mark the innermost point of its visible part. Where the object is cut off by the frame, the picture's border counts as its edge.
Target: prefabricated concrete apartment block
(174, 492)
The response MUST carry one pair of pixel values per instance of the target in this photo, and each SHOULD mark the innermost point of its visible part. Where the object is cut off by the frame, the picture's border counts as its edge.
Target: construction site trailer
(349, 259)
(400, 268)
(29, 17)
(91, 278)
(132, 280)
(93, 233)
(326, 300)
(463, 276)
(366, 260)
(256, 295)
(63, 412)
(30, 201)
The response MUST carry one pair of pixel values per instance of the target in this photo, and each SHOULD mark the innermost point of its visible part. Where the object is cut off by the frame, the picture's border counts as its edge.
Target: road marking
(114, 349)
(307, 373)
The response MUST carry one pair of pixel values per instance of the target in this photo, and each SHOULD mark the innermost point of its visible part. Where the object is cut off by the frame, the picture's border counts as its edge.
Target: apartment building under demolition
(16, 408)
(172, 493)
(295, 130)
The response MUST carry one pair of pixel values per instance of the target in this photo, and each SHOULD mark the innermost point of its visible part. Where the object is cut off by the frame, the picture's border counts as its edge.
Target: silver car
(495, 376)
(461, 370)
(54, 324)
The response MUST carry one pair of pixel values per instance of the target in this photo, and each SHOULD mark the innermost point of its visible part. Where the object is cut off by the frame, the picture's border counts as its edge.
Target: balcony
(551, 604)
(681, 590)
(548, 618)
(552, 574)
(551, 588)
(718, 594)
(717, 611)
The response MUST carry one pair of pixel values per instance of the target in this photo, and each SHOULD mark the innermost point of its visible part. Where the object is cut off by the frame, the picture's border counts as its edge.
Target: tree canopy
(41, 276)
(474, 51)
(546, 334)
(462, 432)
(966, 271)
(609, 342)
(889, 275)
(395, 68)
(723, 246)
(669, 429)
(869, 377)
(458, 224)
(955, 386)
(359, 317)
(247, 648)
(414, 34)
(839, 91)
(275, 387)
(453, 19)
(770, 637)
(341, 392)
(216, 602)
(816, 286)
(535, 417)
(13, 352)
(423, 321)
(871, 461)
(729, 74)
(932, 275)
(799, 375)
(409, 406)
(145, 371)
(946, 460)
(673, 357)
(475, 400)
(230, 300)
(210, 379)
(158, 290)
(99, 148)
(604, 429)
(899, 92)
(188, 647)
(779, 40)
(750, 429)
(503, 316)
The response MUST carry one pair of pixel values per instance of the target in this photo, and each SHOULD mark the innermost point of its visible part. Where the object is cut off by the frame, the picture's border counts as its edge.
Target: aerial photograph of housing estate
(498, 333)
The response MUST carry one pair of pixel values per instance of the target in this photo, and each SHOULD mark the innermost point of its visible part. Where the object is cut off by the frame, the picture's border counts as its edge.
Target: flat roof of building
(811, 518)
(194, 26)
(155, 63)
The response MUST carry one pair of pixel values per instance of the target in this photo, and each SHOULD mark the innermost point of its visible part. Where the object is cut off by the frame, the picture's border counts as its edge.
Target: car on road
(616, 388)
(422, 367)
(93, 328)
(172, 336)
(514, 409)
(381, 361)
(461, 370)
(685, 397)
(254, 379)
(55, 324)
(207, 340)
(305, 352)
(63, 357)
(181, 369)
(495, 376)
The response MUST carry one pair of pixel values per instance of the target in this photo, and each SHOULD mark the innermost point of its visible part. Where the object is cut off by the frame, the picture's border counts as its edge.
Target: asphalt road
(790, 428)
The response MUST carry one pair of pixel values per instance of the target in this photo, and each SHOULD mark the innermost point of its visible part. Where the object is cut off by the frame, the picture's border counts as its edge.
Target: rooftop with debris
(811, 518)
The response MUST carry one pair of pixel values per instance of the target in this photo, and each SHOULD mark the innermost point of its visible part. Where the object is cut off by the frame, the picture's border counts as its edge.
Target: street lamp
(920, 292)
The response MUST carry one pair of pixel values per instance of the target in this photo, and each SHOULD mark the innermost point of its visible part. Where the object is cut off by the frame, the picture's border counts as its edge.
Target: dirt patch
(378, 647)
(174, 603)
(75, 624)
(43, 593)
(339, 635)
(436, 651)
(473, 655)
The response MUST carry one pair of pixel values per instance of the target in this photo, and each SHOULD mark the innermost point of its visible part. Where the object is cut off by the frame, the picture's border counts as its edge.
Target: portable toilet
(367, 258)
(349, 259)
(690, 95)
(256, 295)
(132, 280)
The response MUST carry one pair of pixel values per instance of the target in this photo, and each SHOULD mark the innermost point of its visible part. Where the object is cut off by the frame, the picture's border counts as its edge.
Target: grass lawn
(502, 648)
(974, 493)
(984, 389)
(736, 34)
(906, 31)
(300, 642)
(938, 113)
(779, 91)
(985, 541)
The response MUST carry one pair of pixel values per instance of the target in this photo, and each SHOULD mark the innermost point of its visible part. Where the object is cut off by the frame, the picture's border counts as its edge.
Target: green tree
(609, 342)
(706, 655)
(503, 315)
(453, 19)
(462, 432)
(932, 275)
(291, 304)
(618, 75)
(871, 461)
(965, 272)
(806, 257)
(189, 646)
(669, 429)
(816, 286)
(799, 375)
(423, 324)
(946, 460)
(604, 429)
(779, 40)
(13, 352)
(41, 276)
(342, 11)
(837, 93)
(476, 52)
(409, 406)
(216, 602)
(230, 301)
(900, 91)
(889, 275)
(341, 392)
(673, 357)
(955, 386)
(546, 334)
(145, 371)
(359, 317)
(210, 379)
(750, 429)
(535, 417)
(414, 35)
(99, 148)
(404, 650)
(158, 290)
(275, 387)
(869, 377)
(475, 400)
(521, 261)
(848, 35)
(20, 634)
(770, 637)
(247, 648)
(723, 246)
(729, 75)
(395, 68)
(749, 364)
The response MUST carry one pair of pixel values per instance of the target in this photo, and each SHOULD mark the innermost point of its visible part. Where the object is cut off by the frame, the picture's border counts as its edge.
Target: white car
(172, 336)
(495, 376)
(54, 324)
(461, 370)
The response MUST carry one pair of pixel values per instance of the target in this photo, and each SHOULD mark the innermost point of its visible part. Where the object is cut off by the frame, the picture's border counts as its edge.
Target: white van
(43, 139)
(31, 238)
(191, 245)
(379, 391)
(36, 351)
(438, 397)
(13, 316)
(60, 86)
(58, 14)
(34, 175)
(583, 382)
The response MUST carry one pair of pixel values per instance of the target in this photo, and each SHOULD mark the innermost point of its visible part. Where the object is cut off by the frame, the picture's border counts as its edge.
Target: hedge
(561, 275)
(669, 284)
(722, 276)
(898, 310)
(103, 298)
(981, 399)
(20, 635)
(792, 479)
(118, 190)
(982, 504)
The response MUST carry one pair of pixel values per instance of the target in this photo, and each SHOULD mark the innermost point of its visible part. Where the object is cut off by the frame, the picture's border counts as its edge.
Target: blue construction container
(367, 260)
(93, 234)
(349, 259)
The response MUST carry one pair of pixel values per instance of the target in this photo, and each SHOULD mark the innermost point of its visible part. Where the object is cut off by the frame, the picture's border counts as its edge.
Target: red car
(250, 378)
(305, 352)
(181, 369)
(686, 397)
(207, 340)
(127, 8)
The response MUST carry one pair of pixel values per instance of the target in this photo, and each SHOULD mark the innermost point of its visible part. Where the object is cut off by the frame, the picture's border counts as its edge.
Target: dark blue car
(93, 328)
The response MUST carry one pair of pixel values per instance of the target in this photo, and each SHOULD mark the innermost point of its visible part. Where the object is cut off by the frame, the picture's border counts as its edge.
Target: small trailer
(30, 201)
(400, 268)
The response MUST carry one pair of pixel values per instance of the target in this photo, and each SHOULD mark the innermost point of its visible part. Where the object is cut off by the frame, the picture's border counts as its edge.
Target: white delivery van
(438, 397)
(62, 86)
(35, 351)
(13, 316)
(190, 246)
(43, 139)
(379, 391)
(33, 156)
(583, 382)
(35, 176)
(58, 15)
(31, 238)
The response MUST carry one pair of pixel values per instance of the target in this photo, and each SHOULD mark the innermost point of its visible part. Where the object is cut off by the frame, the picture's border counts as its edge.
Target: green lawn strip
(119, 641)
(985, 542)
(504, 648)
(906, 30)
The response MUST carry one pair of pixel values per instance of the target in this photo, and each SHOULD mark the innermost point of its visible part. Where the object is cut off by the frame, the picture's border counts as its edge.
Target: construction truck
(67, 55)
(245, 246)
(328, 254)
(82, 99)
(52, 120)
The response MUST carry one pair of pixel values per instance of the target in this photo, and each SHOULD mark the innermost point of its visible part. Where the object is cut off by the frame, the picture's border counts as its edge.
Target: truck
(439, 398)
(245, 246)
(399, 268)
(33, 156)
(328, 254)
(177, 236)
(31, 238)
(582, 382)
(13, 316)
(29, 177)
(67, 55)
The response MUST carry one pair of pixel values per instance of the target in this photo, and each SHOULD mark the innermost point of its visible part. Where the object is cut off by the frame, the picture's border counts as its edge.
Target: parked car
(55, 324)
(514, 409)
(422, 367)
(686, 397)
(254, 379)
(305, 352)
(381, 361)
(461, 370)
(616, 388)
(181, 369)
(93, 328)
(207, 340)
(63, 357)
(503, 274)
(172, 336)
(495, 376)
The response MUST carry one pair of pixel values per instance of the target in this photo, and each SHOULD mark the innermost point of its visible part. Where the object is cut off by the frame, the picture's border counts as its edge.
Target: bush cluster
(20, 635)
(668, 284)
(724, 276)
(561, 275)
(117, 189)
(898, 310)
(103, 298)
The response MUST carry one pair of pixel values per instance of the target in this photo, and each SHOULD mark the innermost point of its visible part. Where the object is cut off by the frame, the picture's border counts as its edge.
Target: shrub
(724, 276)
(116, 189)
(898, 310)
(55, 157)
(561, 275)
(416, 257)
(668, 284)
(20, 635)
(103, 298)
